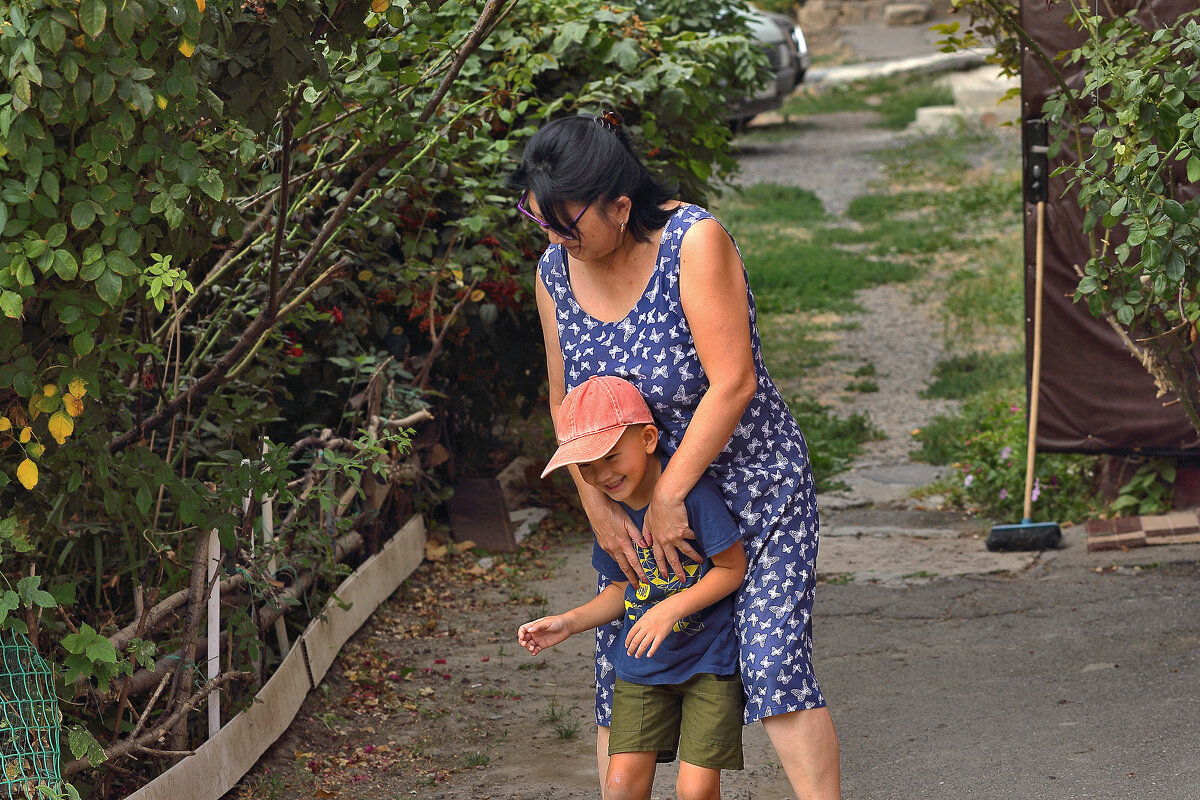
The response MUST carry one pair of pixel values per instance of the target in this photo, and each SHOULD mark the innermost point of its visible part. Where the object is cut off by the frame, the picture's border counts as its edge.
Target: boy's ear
(650, 438)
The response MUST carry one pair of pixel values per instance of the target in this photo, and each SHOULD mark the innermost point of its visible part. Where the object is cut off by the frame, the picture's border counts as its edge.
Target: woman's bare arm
(712, 288)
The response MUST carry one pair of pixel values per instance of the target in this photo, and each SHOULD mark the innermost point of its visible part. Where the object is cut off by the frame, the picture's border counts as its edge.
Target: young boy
(678, 685)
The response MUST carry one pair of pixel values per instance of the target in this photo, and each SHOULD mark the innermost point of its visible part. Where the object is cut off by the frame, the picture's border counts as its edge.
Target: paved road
(1074, 678)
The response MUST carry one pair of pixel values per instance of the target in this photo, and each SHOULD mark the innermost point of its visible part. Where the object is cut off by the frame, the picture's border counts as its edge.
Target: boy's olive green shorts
(700, 718)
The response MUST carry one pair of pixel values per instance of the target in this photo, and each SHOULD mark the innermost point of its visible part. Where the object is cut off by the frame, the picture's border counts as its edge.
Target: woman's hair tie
(610, 120)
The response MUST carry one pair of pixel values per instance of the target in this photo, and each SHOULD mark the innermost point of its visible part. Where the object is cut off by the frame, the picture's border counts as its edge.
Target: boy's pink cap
(592, 418)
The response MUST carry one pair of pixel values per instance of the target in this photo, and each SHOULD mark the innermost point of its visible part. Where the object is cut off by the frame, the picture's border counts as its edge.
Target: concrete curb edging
(917, 65)
(222, 761)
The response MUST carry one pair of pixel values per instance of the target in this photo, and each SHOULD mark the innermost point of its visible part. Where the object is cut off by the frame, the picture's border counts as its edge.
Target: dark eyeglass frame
(523, 207)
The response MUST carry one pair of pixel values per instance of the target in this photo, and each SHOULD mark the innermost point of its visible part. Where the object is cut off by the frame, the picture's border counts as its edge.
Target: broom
(1027, 534)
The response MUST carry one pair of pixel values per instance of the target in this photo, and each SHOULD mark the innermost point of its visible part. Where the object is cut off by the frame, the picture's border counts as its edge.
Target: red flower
(148, 381)
(336, 316)
(490, 241)
(295, 352)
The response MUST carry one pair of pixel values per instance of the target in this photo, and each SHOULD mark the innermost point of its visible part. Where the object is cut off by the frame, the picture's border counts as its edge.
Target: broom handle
(1036, 377)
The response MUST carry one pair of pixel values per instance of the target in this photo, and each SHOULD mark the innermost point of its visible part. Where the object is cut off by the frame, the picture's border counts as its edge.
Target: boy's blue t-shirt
(704, 642)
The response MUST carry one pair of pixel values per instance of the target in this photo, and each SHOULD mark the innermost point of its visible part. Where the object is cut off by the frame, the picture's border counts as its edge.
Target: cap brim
(585, 448)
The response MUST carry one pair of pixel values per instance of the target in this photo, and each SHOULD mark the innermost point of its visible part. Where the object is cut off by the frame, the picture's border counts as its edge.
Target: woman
(639, 285)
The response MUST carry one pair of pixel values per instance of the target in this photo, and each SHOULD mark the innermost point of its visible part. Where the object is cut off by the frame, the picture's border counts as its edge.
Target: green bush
(987, 444)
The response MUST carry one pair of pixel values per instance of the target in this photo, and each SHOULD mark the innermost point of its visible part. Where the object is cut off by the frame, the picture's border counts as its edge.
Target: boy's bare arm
(726, 574)
(607, 606)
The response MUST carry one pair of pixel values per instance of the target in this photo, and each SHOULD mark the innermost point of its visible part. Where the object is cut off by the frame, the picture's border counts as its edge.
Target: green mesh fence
(29, 722)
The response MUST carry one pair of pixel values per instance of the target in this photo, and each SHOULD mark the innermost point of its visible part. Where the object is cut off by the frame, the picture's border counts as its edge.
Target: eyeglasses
(523, 207)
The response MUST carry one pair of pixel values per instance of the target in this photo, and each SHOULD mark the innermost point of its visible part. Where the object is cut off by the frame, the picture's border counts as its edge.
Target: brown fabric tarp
(1095, 397)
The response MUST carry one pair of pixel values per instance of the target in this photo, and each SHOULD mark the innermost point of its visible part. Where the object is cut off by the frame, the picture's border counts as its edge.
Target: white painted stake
(268, 519)
(214, 632)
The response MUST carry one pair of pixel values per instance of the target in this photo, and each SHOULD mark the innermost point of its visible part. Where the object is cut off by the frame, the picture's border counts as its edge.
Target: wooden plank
(222, 761)
(370, 585)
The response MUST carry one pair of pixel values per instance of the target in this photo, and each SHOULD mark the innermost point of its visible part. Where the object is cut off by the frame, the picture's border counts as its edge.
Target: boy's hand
(546, 632)
(651, 629)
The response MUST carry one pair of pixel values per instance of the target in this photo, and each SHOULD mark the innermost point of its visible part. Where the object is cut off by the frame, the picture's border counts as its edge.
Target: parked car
(788, 57)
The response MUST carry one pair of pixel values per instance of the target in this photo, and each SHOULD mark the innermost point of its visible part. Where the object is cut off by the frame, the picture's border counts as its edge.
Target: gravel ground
(830, 155)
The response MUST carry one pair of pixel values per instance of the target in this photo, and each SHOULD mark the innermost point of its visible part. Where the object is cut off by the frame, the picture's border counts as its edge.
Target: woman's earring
(622, 227)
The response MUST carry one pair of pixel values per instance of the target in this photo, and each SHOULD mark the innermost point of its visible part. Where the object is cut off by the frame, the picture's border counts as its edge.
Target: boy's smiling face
(629, 471)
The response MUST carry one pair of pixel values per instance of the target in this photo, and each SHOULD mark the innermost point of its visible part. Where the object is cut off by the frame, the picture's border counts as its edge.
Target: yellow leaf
(61, 426)
(187, 48)
(477, 295)
(27, 474)
(160, 101)
(73, 405)
(200, 5)
(49, 390)
(79, 41)
(365, 275)
(34, 450)
(78, 387)
(379, 6)
(5, 424)
(26, 433)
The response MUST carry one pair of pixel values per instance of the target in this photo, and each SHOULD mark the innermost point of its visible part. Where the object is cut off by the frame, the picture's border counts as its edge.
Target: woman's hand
(616, 535)
(546, 632)
(666, 526)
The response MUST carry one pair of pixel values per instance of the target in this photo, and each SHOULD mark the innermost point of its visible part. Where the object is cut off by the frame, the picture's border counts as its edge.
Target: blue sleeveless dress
(763, 471)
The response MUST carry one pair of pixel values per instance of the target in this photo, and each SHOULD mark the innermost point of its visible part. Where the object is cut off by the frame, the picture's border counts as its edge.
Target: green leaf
(212, 186)
(1193, 169)
(129, 241)
(101, 649)
(120, 263)
(627, 53)
(83, 743)
(65, 265)
(83, 214)
(109, 286)
(9, 601)
(124, 24)
(83, 343)
(92, 14)
(10, 304)
(91, 271)
(102, 87)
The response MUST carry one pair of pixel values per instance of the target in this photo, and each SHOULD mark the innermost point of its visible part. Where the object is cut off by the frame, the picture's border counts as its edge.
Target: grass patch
(833, 441)
(961, 377)
(562, 719)
(788, 252)
(791, 345)
(895, 99)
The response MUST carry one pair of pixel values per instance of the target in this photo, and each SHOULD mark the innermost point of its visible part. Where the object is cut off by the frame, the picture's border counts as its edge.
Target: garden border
(223, 760)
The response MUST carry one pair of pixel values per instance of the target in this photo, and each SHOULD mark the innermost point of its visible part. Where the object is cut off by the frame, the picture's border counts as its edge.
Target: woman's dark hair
(585, 158)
